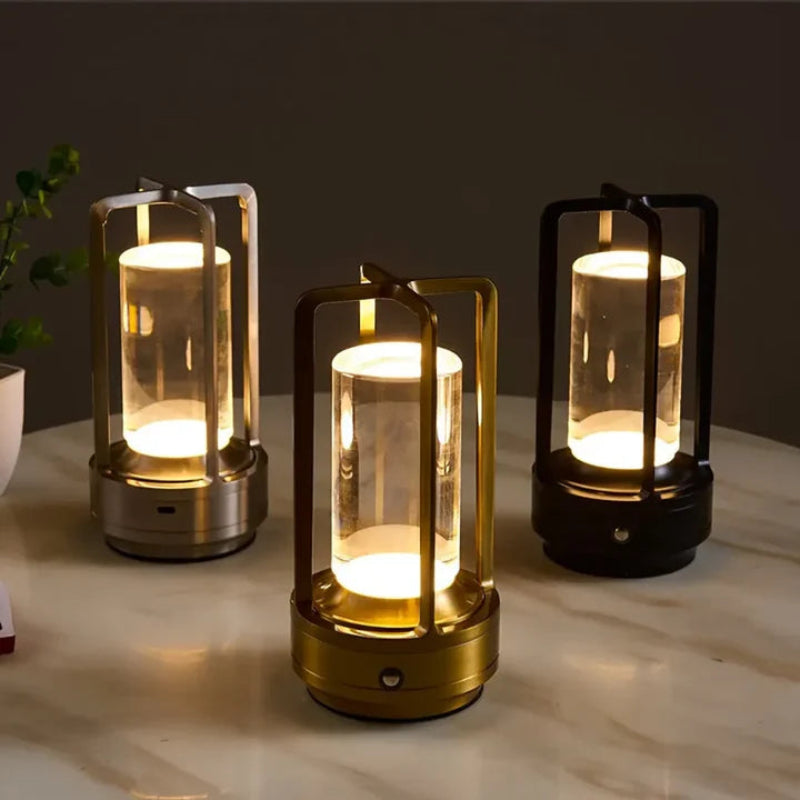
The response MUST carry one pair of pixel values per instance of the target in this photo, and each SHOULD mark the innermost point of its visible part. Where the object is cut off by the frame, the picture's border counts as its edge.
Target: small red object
(7, 637)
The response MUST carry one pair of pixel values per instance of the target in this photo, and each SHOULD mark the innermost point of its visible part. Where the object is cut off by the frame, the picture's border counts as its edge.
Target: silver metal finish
(175, 511)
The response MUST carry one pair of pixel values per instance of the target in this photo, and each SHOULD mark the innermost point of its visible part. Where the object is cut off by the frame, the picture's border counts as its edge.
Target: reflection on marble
(135, 680)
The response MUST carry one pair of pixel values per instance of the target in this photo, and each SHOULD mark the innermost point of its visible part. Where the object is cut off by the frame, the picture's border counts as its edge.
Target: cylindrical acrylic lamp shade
(375, 470)
(163, 380)
(608, 354)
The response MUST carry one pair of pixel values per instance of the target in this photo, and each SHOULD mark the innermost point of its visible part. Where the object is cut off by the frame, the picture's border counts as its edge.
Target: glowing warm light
(619, 449)
(608, 357)
(174, 438)
(387, 575)
(347, 422)
(163, 333)
(625, 265)
(169, 255)
(375, 519)
(178, 656)
(401, 361)
(138, 795)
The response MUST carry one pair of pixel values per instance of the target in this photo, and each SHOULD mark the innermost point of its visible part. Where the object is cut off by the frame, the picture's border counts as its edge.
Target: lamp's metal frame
(179, 509)
(628, 523)
(438, 666)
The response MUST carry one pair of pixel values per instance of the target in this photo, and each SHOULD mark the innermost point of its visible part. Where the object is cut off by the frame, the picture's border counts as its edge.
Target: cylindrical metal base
(620, 566)
(598, 522)
(390, 677)
(181, 520)
(369, 711)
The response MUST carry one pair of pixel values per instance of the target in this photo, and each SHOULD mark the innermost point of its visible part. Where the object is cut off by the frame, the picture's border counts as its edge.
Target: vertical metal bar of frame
(605, 233)
(210, 339)
(248, 204)
(485, 294)
(367, 325)
(706, 294)
(635, 206)
(303, 407)
(305, 310)
(100, 378)
(427, 462)
(706, 298)
(409, 297)
(98, 217)
(207, 220)
(143, 211)
(651, 328)
(366, 314)
(486, 391)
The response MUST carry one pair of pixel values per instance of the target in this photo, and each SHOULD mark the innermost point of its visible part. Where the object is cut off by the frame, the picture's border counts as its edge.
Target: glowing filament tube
(163, 381)
(607, 359)
(375, 487)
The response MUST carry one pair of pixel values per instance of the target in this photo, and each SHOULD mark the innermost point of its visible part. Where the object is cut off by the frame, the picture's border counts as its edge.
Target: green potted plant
(35, 190)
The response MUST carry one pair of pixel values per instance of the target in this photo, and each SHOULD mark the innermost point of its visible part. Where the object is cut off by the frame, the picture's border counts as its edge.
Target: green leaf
(49, 268)
(7, 346)
(29, 181)
(64, 161)
(18, 246)
(46, 211)
(9, 208)
(33, 334)
(52, 185)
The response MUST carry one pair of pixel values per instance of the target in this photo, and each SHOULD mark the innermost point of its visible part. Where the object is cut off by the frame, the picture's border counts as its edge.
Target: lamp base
(384, 675)
(206, 551)
(615, 566)
(599, 522)
(190, 520)
(371, 712)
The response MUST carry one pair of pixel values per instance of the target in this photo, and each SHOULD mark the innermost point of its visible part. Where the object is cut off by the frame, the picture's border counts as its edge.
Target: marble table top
(139, 680)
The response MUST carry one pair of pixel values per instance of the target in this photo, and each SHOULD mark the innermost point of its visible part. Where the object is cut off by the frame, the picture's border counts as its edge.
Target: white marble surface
(136, 680)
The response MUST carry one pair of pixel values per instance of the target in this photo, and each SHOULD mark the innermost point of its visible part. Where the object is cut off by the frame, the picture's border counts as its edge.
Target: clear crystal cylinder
(375, 475)
(606, 398)
(163, 375)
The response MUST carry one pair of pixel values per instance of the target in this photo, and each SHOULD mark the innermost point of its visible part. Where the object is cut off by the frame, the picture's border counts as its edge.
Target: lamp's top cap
(392, 361)
(625, 265)
(170, 255)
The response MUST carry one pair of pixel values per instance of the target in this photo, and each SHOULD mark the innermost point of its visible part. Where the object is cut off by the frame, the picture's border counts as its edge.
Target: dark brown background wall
(427, 138)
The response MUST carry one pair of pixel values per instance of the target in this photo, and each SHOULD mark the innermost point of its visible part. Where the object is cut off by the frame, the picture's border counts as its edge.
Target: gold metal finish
(453, 604)
(406, 659)
(190, 508)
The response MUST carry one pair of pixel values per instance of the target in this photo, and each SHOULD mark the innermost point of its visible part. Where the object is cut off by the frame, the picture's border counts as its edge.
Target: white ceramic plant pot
(12, 412)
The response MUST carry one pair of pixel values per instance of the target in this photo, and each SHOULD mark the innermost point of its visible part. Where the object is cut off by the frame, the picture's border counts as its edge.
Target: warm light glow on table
(174, 438)
(391, 576)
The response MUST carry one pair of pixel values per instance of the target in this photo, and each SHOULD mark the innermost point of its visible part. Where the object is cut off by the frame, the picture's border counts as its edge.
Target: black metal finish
(626, 523)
